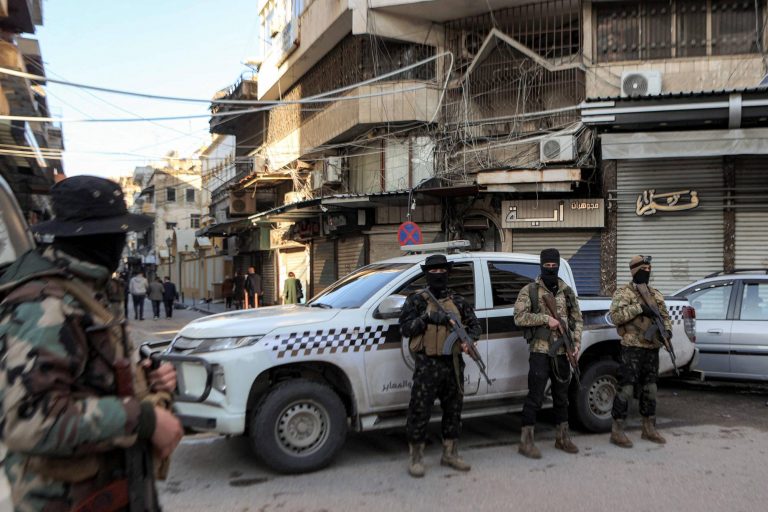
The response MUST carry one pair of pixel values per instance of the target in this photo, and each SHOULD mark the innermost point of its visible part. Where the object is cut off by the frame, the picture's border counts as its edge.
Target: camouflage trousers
(434, 377)
(639, 369)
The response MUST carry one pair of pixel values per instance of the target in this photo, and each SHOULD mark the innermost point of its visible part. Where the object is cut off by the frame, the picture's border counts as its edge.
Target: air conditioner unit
(259, 163)
(334, 169)
(640, 83)
(241, 203)
(559, 148)
(469, 44)
(318, 175)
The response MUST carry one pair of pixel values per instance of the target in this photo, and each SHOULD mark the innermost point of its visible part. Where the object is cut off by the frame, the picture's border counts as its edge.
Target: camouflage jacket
(413, 318)
(525, 318)
(63, 425)
(626, 314)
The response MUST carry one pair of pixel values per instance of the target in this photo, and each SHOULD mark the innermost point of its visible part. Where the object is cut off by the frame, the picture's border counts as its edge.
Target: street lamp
(169, 243)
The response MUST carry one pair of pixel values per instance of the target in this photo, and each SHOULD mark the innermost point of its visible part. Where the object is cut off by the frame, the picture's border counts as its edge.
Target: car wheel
(594, 397)
(299, 426)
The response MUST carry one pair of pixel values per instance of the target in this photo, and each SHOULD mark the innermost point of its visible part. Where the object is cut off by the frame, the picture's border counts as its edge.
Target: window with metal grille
(645, 30)
(194, 221)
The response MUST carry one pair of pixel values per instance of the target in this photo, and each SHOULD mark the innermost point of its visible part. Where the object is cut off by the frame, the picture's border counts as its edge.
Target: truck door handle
(715, 331)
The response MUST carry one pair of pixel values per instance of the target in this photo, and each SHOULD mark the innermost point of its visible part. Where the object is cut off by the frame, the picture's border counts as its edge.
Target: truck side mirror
(391, 307)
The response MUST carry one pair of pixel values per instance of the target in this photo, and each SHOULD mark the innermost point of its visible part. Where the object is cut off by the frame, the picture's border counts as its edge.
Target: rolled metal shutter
(751, 212)
(581, 249)
(269, 278)
(350, 252)
(323, 265)
(685, 245)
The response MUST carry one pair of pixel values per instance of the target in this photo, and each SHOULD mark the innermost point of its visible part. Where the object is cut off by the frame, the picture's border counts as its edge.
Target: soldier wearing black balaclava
(639, 365)
(541, 330)
(435, 375)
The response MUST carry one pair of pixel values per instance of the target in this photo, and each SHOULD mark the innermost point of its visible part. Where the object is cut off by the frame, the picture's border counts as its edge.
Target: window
(711, 303)
(355, 289)
(170, 225)
(508, 278)
(652, 29)
(461, 281)
(190, 195)
(170, 195)
(754, 302)
(194, 220)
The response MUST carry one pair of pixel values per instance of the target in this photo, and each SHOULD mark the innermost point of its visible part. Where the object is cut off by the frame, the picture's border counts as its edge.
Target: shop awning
(223, 229)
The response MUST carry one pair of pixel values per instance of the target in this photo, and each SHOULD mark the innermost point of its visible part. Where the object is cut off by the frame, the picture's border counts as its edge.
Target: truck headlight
(214, 344)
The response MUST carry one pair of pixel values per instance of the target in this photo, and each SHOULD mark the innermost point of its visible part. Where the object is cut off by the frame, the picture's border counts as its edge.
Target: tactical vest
(543, 332)
(432, 341)
(637, 325)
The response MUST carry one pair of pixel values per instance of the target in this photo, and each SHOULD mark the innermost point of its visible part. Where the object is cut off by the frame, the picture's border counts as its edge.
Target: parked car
(295, 378)
(731, 323)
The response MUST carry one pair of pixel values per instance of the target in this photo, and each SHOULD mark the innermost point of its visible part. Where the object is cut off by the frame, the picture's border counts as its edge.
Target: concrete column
(608, 236)
(729, 215)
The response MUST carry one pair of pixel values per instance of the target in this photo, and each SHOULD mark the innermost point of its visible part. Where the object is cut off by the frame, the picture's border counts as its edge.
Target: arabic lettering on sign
(576, 213)
(557, 216)
(583, 205)
(649, 202)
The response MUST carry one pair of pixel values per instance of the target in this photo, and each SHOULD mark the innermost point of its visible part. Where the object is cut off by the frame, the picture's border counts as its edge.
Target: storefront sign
(649, 202)
(553, 214)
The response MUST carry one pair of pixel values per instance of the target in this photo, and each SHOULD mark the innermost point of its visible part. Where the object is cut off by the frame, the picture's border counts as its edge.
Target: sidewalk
(206, 308)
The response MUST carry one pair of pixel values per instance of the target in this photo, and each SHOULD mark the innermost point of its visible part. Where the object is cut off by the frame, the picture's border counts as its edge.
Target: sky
(187, 48)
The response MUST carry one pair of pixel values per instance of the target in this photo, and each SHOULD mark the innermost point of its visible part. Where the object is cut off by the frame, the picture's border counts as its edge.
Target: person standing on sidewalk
(169, 296)
(227, 289)
(138, 287)
(541, 330)
(238, 289)
(253, 288)
(639, 366)
(78, 414)
(156, 291)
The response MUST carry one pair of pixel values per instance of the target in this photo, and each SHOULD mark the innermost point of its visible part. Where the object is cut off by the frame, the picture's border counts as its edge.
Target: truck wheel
(594, 398)
(298, 427)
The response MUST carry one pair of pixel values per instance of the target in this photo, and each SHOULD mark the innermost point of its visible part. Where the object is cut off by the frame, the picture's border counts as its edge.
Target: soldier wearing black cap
(541, 330)
(81, 419)
(436, 375)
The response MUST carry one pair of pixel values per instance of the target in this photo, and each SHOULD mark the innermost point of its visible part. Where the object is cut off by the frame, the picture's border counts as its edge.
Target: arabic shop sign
(649, 202)
(553, 214)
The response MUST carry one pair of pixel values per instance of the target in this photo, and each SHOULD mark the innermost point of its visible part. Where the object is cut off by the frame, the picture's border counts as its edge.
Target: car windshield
(355, 289)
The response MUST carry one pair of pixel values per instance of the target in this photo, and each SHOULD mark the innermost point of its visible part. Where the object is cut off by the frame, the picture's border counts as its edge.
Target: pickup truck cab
(295, 378)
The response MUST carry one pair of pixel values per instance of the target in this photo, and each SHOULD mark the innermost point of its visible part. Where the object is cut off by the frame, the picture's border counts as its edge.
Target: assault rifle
(459, 333)
(564, 338)
(657, 327)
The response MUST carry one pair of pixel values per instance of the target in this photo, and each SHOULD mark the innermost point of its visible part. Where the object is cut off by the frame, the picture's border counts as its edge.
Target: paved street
(714, 460)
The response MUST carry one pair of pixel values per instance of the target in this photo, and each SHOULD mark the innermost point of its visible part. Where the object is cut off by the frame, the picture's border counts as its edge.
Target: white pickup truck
(295, 378)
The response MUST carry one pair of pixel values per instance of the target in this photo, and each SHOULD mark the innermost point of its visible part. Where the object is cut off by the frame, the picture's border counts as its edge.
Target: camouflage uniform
(542, 367)
(435, 375)
(639, 356)
(64, 425)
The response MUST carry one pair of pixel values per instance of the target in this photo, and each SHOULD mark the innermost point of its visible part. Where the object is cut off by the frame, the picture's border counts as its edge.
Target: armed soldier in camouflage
(76, 408)
(639, 356)
(541, 331)
(436, 375)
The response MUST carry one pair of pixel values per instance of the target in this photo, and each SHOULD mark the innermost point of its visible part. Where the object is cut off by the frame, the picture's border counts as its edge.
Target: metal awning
(309, 208)
(223, 229)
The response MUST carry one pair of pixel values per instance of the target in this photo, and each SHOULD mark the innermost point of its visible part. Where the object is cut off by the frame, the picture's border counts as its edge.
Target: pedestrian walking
(169, 296)
(75, 421)
(156, 291)
(547, 361)
(639, 365)
(124, 284)
(253, 288)
(292, 290)
(138, 288)
(238, 289)
(436, 375)
(227, 290)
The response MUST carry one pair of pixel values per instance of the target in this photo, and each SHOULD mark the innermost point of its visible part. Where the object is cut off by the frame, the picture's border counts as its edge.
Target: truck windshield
(355, 289)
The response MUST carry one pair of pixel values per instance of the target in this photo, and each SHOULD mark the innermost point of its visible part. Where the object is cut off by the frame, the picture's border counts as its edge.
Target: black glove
(669, 335)
(647, 311)
(439, 318)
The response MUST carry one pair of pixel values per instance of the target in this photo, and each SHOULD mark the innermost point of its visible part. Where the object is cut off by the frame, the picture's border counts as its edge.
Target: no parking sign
(409, 233)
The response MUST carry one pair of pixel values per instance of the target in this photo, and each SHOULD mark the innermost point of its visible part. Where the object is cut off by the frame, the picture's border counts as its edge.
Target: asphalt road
(715, 460)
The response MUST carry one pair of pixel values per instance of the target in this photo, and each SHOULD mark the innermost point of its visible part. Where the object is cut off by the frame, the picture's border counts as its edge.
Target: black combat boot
(618, 437)
(649, 431)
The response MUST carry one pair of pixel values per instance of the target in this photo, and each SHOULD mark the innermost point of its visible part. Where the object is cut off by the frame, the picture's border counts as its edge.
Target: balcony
(440, 11)
(18, 91)
(246, 88)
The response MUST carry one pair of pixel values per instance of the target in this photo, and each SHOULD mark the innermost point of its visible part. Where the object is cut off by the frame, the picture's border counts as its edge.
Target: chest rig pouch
(432, 341)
